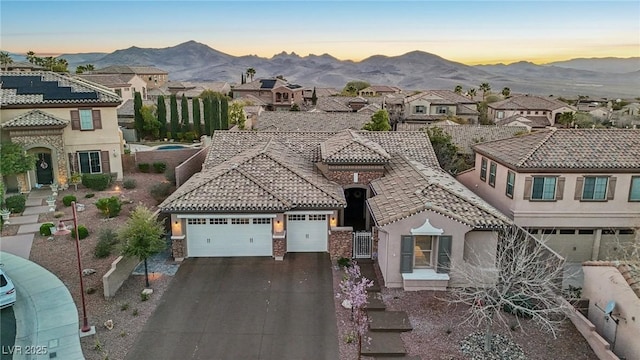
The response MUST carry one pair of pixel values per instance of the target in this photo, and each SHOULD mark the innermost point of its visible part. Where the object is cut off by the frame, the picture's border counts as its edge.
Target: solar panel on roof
(267, 84)
(50, 90)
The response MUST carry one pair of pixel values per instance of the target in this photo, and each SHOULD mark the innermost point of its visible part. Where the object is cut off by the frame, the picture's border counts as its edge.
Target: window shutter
(527, 188)
(444, 254)
(611, 191)
(73, 163)
(560, 188)
(75, 120)
(97, 119)
(406, 254)
(579, 184)
(104, 162)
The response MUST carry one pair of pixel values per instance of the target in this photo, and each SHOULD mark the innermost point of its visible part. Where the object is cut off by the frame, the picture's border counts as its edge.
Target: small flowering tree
(354, 286)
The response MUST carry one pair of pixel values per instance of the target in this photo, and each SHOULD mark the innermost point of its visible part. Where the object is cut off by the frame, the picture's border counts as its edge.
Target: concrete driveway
(245, 308)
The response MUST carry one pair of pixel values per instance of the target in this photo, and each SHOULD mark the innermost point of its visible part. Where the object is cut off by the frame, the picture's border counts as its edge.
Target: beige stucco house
(577, 188)
(379, 90)
(434, 105)
(124, 85)
(613, 291)
(153, 76)
(69, 124)
(276, 94)
(538, 110)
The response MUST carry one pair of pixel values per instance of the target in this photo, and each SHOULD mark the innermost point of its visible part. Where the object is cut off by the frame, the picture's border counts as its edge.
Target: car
(7, 291)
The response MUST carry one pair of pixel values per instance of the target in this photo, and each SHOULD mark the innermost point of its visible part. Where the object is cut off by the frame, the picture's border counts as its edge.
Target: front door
(44, 169)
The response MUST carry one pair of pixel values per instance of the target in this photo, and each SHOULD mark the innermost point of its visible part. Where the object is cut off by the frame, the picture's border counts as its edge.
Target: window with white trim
(422, 255)
(196, 221)
(218, 221)
(544, 188)
(297, 217)
(89, 162)
(634, 191)
(441, 110)
(419, 109)
(239, 221)
(483, 170)
(262, 221)
(595, 187)
(86, 119)
(492, 174)
(511, 179)
(315, 217)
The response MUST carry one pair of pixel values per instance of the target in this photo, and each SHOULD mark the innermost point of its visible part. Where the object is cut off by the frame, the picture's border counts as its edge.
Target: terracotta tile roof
(536, 122)
(467, 109)
(266, 177)
(320, 92)
(349, 147)
(128, 69)
(310, 121)
(441, 97)
(370, 109)
(332, 104)
(465, 136)
(409, 188)
(35, 118)
(421, 125)
(630, 271)
(108, 80)
(528, 102)
(568, 149)
(46, 87)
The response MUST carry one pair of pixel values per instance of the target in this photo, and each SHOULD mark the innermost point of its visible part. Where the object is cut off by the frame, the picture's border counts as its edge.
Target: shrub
(58, 214)
(107, 239)
(144, 167)
(159, 167)
(124, 307)
(68, 199)
(45, 229)
(344, 262)
(170, 175)
(110, 207)
(144, 296)
(97, 182)
(160, 191)
(83, 232)
(89, 196)
(189, 136)
(129, 183)
(15, 203)
(91, 290)
(102, 249)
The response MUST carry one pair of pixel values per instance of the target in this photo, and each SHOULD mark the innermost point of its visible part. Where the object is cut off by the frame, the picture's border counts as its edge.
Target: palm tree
(485, 87)
(471, 92)
(5, 59)
(250, 72)
(506, 92)
(458, 89)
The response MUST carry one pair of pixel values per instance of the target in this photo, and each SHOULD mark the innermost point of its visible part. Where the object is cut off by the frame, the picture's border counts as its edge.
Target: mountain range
(416, 70)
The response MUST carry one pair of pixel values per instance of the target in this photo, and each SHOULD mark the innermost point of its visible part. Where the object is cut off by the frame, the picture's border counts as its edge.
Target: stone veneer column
(177, 247)
(51, 138)
(341, 242)
(279, 247)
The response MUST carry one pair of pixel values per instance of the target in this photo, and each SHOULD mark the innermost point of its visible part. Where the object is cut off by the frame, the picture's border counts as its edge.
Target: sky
(470, 32)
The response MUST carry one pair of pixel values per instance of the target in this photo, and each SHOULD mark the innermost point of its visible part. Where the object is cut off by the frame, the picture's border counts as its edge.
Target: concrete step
(387, 321)
(383, 344)
(20, 220)
(375, 302)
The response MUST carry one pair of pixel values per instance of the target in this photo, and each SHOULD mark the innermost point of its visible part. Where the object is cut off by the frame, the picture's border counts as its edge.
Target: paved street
(245, 308)
(7, 332)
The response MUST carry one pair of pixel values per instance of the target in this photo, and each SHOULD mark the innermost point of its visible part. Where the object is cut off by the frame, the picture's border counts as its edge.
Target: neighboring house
(310, 121)
(601, 113)
(70, 125)
(370, 109)
(577, 188)
(529, 106)
(631, 109)
(320, 93)
(379, 90)
(420, 126)
(189, 89)
(23, 66)
(272, 193)
(125, 85)
(153, 76)
(613, 291)
(465, 136)
(277, 94)
(434, 105)
(528, 121)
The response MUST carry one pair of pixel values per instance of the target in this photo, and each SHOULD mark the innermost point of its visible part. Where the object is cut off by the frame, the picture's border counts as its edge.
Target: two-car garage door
(229, 237)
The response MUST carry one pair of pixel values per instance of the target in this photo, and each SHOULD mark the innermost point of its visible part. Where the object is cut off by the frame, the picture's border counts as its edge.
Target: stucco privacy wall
(172, 158)
(120, 270)
(190, 166)
(598, 344)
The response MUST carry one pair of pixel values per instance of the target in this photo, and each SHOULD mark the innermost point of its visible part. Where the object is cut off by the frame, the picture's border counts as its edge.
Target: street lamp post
(61, 229)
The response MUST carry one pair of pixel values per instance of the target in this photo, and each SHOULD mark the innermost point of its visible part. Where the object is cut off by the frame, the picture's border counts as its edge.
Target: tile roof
(333, 104)
(370, 109)
(35, 118)
(528, 102)
(310, 121)
(465, 136)
(421, 125)
(46, 87)
(629, 270)
(381, 89)
(441, 97)
(266, 177)
(320, 92)
(349, 147)
(537, 122)
(129, 69)
(410, 187)
(108, 80)
(189, 89)
(566, 149)
(266, 84)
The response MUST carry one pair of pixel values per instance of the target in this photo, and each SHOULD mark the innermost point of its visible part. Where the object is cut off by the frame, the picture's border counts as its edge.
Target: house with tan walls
(379, 90)
(153, 76)
(349, 193)
(613, 291)
(124, 85)
(434, 105)
(70, 125)
(277, 94)
(538, 109)
(579, 189)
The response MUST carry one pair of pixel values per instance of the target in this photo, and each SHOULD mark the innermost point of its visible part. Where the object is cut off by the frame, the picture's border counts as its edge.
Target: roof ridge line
(530, 153)
(254, 180)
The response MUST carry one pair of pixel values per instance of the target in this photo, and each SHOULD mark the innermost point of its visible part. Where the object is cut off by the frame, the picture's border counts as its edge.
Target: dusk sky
(464, 31)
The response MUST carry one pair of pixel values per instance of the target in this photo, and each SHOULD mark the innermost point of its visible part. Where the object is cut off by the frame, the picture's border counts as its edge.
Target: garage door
(575, 248)
(229, 237)
(307, 233)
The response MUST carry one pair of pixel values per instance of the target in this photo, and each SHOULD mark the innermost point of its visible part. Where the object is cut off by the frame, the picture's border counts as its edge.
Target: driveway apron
(245, 308)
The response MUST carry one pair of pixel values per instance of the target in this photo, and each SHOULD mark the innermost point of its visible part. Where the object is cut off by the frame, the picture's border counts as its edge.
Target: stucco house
(310, 121)
(124, 85)
(69, 124)
(189, 89)
(153, 76)
(433, 105)
(613, 291)
(271, 193)
(534, 108)
(379, 90)
(577, 188)
(277, 94)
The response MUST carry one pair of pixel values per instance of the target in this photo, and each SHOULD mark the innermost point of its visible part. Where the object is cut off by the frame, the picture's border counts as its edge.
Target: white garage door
(229, 237)
(307, 233)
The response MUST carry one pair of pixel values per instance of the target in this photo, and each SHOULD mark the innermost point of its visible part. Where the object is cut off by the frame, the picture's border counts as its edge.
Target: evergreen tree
(207, 116)
(314, 97)
(185, 114)
(138, 123)
(175, 123)
(197, 126)
(162, 117)
(215, 113)
(224, 113)
(379, 122)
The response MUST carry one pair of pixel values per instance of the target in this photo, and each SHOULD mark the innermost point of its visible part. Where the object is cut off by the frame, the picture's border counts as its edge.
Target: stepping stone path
(385, 326)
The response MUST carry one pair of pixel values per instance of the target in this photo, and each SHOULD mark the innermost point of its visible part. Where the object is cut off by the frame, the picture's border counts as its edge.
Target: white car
(7, 291)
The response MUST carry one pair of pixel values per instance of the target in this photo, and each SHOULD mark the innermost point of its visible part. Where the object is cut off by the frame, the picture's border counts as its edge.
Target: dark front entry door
(44, 169)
